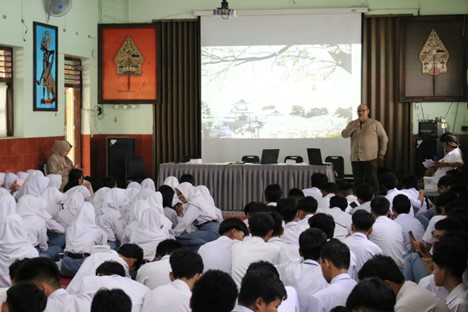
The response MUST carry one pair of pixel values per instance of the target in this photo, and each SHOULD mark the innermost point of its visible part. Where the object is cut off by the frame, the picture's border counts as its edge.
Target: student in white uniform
(272, 193)
(7, 206)
(386, 233)
(306, 208)
(81, 236)
(214, 291)
(287, 208)
(110, 219)
(328, 191)
(449, 257)
(390, 181)
(217, 255)
(401, 212)
(254, 248)
(110, 275)
(14, 245)
(334, 260)
(371, 294)
(453, 158)
(187, 267)
(260, 291)
(364, 194)
(305, 275)
(288, 252)
(72, 205)
(45, 274)
(337, 210)
(156, 273)
(111, 300)
(409, 296)
(317, 180)
(359, 242)
(15, 301)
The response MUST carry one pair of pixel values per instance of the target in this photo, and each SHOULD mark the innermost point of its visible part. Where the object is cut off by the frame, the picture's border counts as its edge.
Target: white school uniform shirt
(362, 248)
(135, 290)
(413, 195)
(394, 192)
(428, 283)
(343, 222)
(334, 295)
(305, 276)
(314, 192)
(89, 266)
(173, 297)
(7, 206)
(61, 301)
(388, 235)
(452, 156)
(324, 203)
(251, 249)
(110, 220)
(364, 206)
(291, 304)
(457, 300)
(156, 273)
(409, 223)
(427, 237)
(36, 228)
(72, 205)
(239, 308)
(411, 298)
(304, 223)
(216, 254)
(288, 252)
(292, 230)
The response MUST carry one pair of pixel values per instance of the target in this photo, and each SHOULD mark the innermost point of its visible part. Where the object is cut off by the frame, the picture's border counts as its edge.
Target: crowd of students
(330, 247)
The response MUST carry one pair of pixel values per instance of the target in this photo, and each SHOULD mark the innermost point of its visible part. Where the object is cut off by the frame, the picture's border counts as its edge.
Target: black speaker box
(118, 149)
(427, 148)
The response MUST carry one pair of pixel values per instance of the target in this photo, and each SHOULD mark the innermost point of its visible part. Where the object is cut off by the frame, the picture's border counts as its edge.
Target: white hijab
(83, 233)
(80, 189)
(155, 201)
(55, 180)
(35, 184)
(14, 245)
(198, 198)
(7, 206)
(99, 198)
(54, 199)
(23, 175)
(134, 216)
(148, 184)
(30, 206)
(113, 200)
(134, 185)
(171, 181)
(131, 195)
(10, 178)
(148, 234)
(70, 209)
(2, 179)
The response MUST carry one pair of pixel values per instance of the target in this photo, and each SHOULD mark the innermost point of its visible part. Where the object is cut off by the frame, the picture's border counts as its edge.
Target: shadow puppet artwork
(45, 67)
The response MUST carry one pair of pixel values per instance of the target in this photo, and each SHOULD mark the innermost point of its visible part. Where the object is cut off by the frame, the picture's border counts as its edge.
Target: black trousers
(366, 172)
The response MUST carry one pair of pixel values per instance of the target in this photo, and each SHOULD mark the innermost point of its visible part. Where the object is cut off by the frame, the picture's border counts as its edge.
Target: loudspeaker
(117, 150)
(427, 148)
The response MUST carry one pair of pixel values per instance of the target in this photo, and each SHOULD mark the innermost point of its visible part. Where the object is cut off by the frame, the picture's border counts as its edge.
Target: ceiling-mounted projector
(224, 11)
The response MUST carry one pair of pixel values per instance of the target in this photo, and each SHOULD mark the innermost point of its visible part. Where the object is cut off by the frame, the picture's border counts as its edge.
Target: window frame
(9, 81)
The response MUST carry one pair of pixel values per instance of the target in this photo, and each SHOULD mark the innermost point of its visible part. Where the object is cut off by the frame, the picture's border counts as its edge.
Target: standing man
(368, 143)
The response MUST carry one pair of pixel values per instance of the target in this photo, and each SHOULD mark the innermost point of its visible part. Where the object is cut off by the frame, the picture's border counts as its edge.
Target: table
(233, 186)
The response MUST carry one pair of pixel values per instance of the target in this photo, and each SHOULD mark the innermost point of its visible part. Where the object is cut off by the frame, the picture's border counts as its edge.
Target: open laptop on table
(270, 156)
(315, 156)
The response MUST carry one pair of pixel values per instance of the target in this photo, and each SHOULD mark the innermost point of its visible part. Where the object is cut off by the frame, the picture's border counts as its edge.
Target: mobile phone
(410, 233)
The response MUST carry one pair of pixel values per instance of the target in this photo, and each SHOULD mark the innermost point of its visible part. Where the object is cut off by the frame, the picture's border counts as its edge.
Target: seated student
(200, 212)
(345, 189)
(253, 207)
(306, 208)
(187, 177)
(364, 194)
(296, 194)
(45, 274)
(133, 255)
(76, 178)
(334, 260)
(287, 208)
(317, 180)
(371, 294)
(187, 267)
(16, 295)
(401, 208)
(453, 158)
(409, 296)
(359, 243)
(288, 252)
(110, 219)
(168, 193)
(305, 275)
(273, 193)
(417, 196)
(111, 274)
(72, 205)
(156, 273)
(449, 257)
(337, 210)
(386, 233)
(216, 254)
(111, 300)
(260, 291)
(148, 183)
(81, 236)
(328, 191)
(254, 248)
(214, 291)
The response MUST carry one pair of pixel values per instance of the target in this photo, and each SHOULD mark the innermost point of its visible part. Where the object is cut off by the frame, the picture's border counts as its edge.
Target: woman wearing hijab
(136, 212)
(148, 184)
(201, 213)
(110, 220)
(14, 245)
(81, 236)
(168, 197)
(35, 184)
(58, 163)
(71, 207)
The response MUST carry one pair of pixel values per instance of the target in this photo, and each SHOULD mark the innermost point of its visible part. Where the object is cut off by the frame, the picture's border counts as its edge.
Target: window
(6, 91)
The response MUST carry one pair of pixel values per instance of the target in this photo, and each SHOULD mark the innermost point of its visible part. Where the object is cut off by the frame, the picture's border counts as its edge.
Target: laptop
(315, 156)
(270, 156)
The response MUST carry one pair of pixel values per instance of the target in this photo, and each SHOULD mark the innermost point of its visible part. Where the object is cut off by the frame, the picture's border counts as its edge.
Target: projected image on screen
(279, 91)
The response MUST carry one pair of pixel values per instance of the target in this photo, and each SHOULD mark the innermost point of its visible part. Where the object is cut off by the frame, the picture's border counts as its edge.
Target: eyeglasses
(362, 110)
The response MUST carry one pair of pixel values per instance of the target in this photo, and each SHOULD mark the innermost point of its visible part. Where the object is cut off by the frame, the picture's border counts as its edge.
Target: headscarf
(80, 189)
(99, 198)
(29, 206)
(148, 184)
(55, 180)
(70, 209)
(131, 194)
(10, 178)
(197, 198)
(60, 148)
(2, 179)
(154, 199)
(22, 175)
(134, 216)
(54, 199)
(134, 185)
(14, 245)
(35, 184)
(113, 200)
(171, 181)
(83, 233)
(7, 206)
(148, 234)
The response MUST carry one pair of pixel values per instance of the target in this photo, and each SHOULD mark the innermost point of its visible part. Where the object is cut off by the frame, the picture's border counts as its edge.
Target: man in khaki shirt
(368, 145)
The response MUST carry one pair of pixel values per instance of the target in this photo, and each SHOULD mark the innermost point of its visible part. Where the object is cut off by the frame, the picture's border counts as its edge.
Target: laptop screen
(270, 156)
(315, 156)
